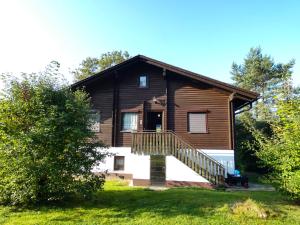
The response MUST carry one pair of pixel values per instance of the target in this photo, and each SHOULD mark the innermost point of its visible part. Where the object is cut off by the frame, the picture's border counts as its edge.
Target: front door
(154, 121)
(158, 169)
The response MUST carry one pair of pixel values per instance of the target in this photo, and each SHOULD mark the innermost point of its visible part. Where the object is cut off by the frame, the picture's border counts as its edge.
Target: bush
(46, 149)
(281, 152)
(246, 146)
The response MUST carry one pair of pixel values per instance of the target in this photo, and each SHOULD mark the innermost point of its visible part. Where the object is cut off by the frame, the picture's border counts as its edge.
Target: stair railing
(169, 143)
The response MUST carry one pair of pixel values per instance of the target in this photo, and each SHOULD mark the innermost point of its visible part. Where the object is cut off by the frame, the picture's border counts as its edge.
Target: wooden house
(165, 125)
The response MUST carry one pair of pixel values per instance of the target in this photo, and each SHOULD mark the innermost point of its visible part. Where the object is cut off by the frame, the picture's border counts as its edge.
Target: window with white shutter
(197, 122)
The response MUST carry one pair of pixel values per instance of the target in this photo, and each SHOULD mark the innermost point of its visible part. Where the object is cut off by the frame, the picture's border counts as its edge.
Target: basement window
(119, 162)
(197, 122)
(143, 81)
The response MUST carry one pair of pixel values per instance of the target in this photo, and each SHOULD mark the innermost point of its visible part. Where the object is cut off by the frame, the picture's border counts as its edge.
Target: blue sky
(202, 36)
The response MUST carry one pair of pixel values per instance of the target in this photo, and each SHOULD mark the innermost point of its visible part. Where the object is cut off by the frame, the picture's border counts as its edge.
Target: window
(143, 81)
(129, 121)
(119, 162)
(94, 121)
(197, 122)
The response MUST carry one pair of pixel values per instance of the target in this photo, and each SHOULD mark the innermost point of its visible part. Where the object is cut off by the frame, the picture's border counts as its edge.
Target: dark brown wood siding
(133, 98)
(102, 100)
(184, 97)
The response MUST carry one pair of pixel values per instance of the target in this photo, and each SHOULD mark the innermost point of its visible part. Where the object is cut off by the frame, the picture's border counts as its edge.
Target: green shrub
(281, 151)
(46, 148)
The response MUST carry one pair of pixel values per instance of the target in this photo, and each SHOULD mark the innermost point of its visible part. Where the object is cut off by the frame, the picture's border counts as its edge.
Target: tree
(261, 74)
(91, 66)
(281, 151)
(246, 145)
(46, 148)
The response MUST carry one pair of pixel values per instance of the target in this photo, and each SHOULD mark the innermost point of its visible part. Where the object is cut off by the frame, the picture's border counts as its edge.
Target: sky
(202, 36)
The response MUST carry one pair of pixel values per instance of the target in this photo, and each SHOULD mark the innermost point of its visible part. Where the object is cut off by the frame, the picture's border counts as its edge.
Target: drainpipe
(165, 115)
(236, 113)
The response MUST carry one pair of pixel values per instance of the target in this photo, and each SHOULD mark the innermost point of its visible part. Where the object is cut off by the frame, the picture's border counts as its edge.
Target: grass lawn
(119, 204)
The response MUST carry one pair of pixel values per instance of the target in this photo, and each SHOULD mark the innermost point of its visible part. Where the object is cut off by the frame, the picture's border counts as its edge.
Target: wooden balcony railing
(168, 143)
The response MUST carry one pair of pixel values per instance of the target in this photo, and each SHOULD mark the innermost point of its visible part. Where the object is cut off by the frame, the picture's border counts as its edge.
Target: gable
(240, 96)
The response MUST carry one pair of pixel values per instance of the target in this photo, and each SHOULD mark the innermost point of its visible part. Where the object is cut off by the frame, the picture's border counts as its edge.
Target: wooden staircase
(168, 143)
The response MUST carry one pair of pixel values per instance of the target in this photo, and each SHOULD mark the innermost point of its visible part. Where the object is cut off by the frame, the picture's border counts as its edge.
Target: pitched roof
(249, 95)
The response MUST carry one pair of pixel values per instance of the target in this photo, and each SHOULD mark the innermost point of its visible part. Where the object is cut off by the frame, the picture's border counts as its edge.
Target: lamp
(155, 100)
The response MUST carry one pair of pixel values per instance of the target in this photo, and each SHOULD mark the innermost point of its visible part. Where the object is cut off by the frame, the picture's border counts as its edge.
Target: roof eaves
(201, 77)
(175, 69)
(95, 76)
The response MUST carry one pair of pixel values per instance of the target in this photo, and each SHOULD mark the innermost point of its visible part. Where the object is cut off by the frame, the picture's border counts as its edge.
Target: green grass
(120, 204)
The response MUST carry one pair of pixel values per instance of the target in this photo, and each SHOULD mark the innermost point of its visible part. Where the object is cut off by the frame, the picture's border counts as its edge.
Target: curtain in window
(143, 81)
(130, 121)
(94, 121)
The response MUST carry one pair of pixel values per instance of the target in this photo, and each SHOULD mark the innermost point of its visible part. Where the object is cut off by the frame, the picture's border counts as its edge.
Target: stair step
(169, 143)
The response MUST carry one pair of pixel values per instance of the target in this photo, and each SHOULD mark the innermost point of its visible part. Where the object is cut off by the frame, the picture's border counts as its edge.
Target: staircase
(168, 143)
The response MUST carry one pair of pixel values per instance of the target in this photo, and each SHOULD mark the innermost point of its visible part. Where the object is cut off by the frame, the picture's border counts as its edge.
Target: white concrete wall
(139, 165)
(178, 171)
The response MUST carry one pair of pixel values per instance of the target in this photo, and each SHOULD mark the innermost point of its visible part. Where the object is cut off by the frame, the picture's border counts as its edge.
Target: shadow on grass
(129, 203)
